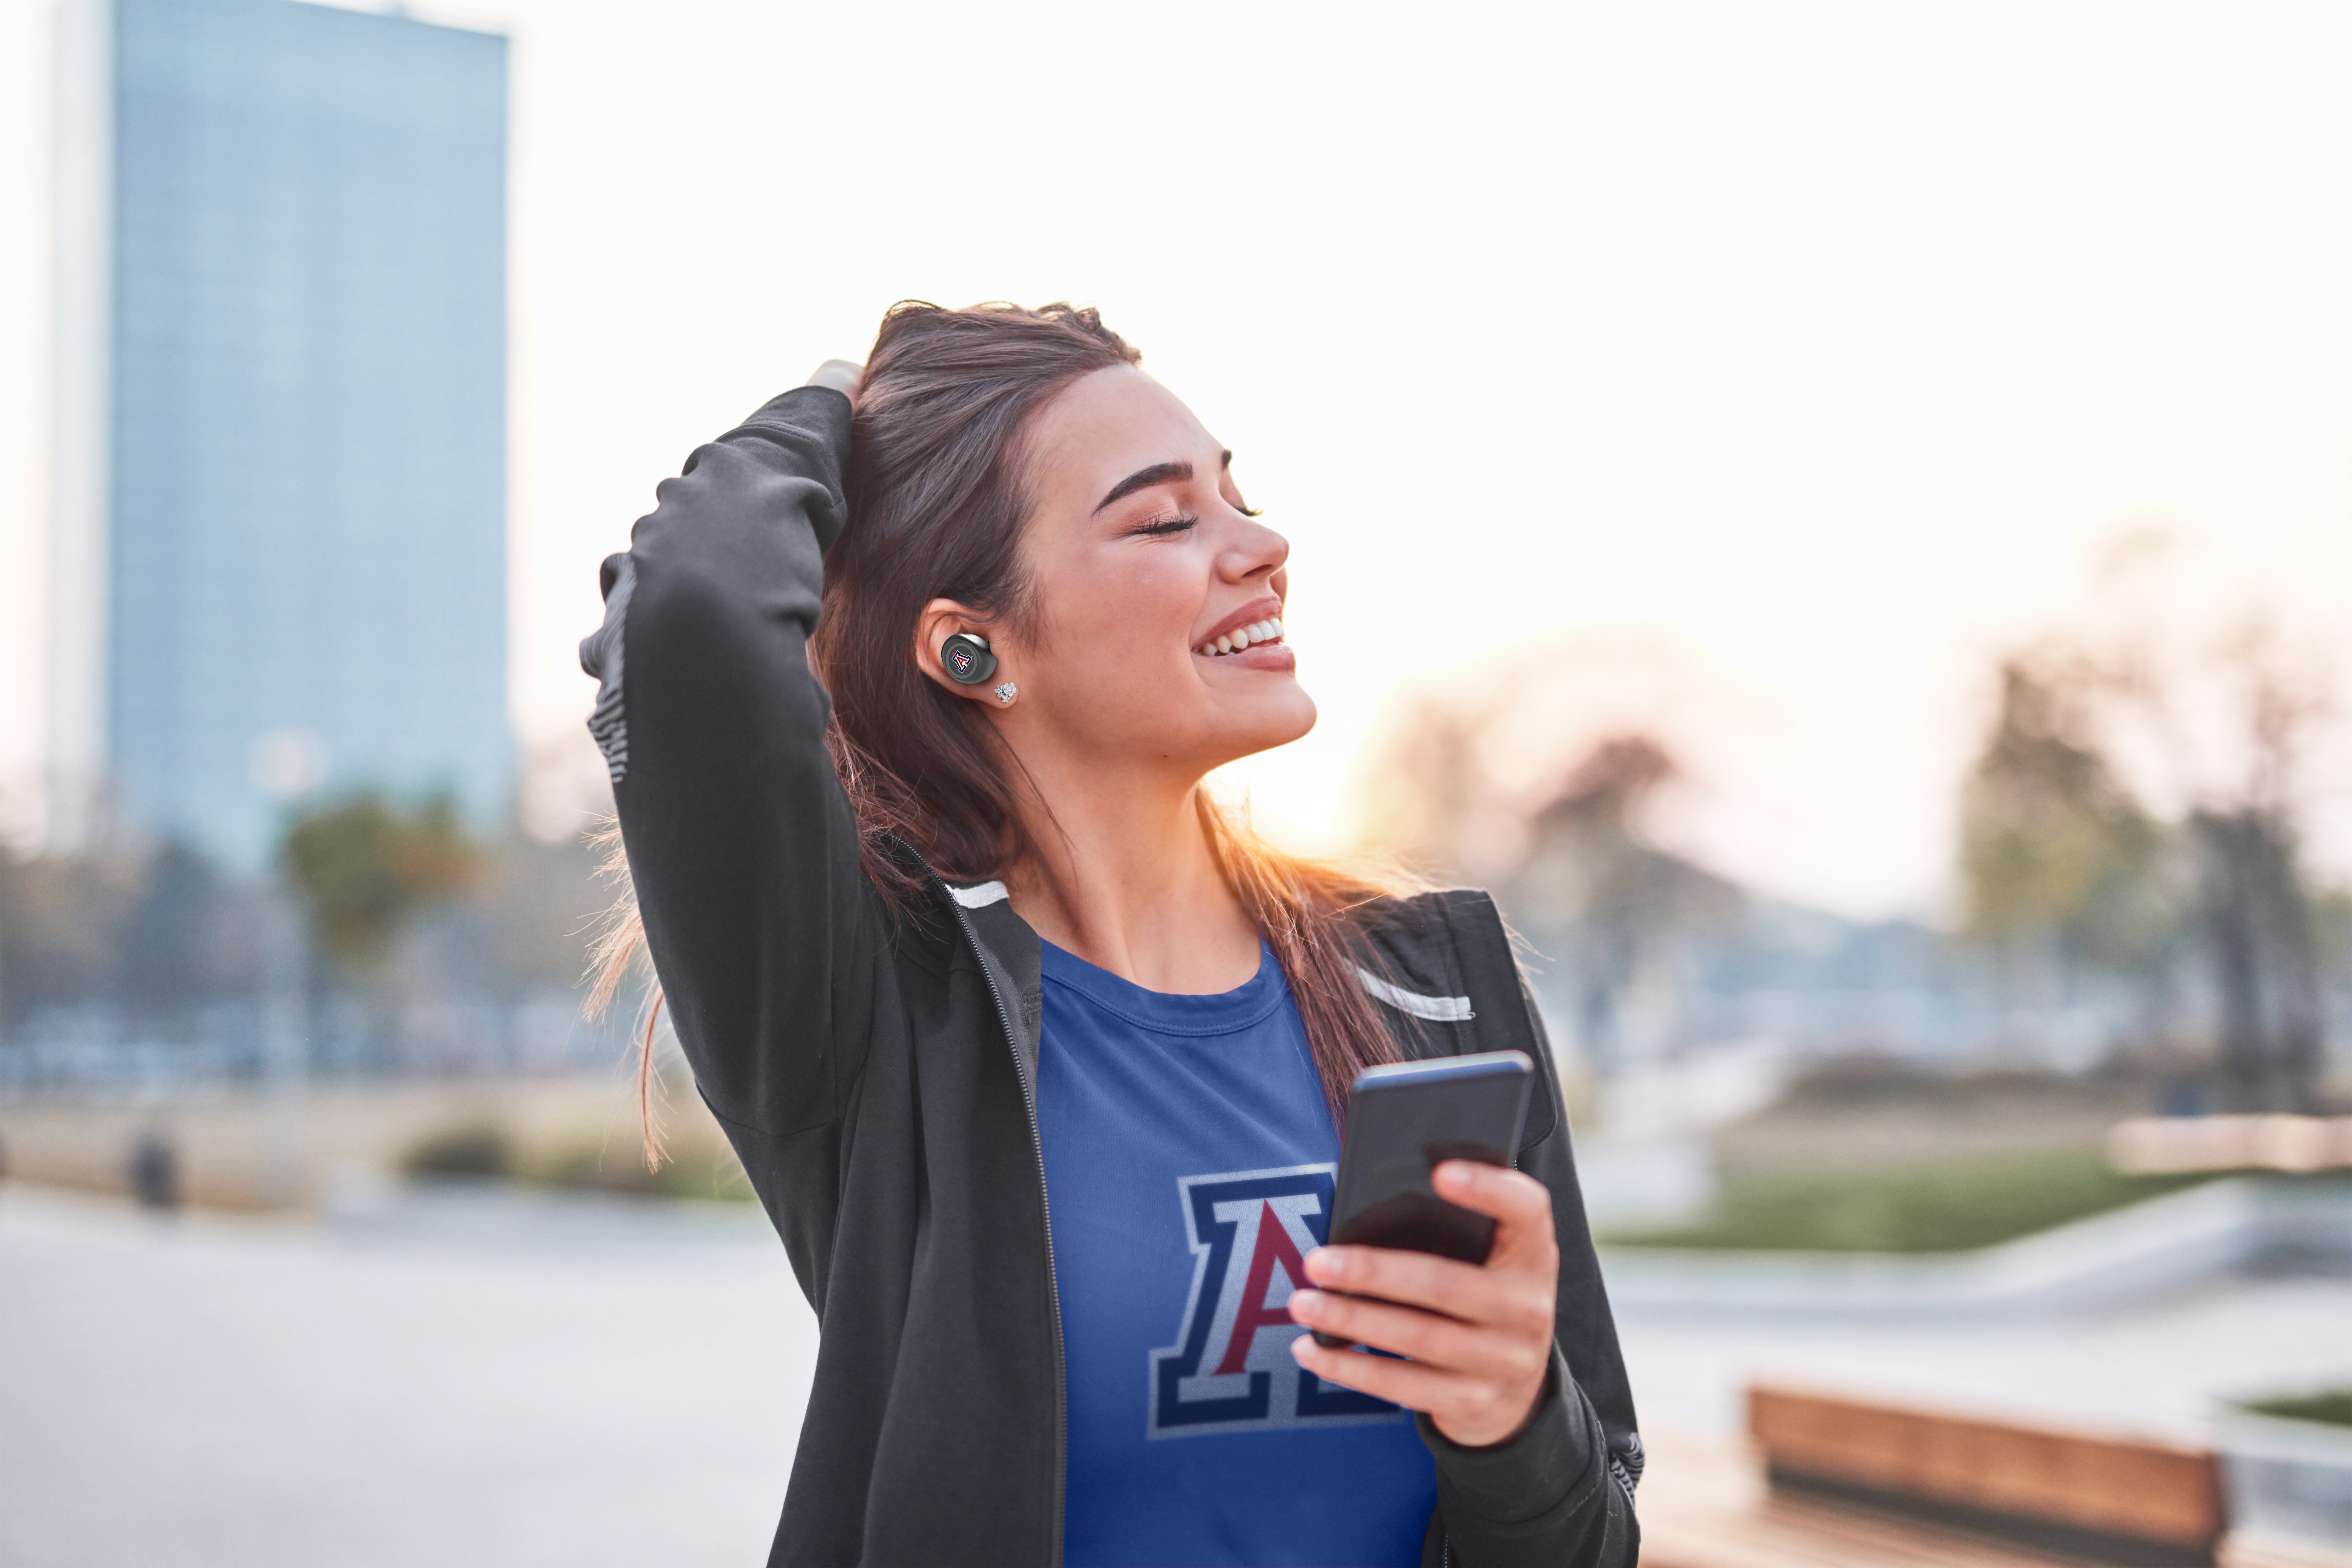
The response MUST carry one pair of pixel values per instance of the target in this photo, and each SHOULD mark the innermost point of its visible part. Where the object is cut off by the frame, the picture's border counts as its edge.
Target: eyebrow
(1144, 479)
(1156, 474)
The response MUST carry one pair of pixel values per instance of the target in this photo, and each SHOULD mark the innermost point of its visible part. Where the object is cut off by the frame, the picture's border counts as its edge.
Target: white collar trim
(1437, 1009)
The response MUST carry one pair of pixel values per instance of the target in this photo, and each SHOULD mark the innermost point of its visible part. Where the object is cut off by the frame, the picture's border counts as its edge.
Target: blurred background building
(280, 547)
(281, 779)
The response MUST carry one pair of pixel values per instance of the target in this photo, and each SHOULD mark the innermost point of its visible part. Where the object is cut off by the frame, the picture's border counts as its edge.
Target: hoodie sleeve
(741, 844)
(1554, 1495)
(1560, 1492)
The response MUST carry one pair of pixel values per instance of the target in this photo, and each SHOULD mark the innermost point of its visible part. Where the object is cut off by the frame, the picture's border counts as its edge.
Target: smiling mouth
(1257, 632)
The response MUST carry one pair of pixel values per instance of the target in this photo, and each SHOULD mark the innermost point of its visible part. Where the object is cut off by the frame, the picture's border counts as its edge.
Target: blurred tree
(2058, 849)
(1592, 883)
(2256, 919)
(2257, 906)
(365, 867)
(421, 925)
(2054, 847)
(1428, 786)
(540, 903)
(1571, 859)
(59, 917)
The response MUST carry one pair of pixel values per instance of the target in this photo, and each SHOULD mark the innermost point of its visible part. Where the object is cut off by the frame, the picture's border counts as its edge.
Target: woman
(1036, 1059)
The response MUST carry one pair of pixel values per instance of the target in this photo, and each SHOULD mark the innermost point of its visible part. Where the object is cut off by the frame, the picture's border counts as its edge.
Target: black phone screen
(1402, 1122)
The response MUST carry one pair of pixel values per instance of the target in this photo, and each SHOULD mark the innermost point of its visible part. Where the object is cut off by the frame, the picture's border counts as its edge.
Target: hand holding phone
(1463, 1295)
(1402, 1120)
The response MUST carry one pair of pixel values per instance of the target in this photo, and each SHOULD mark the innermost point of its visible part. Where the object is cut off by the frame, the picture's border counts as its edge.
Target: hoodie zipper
(1044, 1210)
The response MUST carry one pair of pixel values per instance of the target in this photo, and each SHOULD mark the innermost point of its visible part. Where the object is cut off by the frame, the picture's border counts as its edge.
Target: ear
(941, 619)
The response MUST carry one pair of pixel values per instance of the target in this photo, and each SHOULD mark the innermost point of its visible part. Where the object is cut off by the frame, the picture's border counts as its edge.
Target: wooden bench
(2095, 1499)
(1708, 1505)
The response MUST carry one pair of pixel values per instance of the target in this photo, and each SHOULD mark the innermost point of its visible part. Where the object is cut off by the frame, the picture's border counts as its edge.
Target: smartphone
(1403, 1119)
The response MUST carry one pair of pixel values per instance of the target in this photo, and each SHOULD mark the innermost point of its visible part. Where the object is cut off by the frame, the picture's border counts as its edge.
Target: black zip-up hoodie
(877, 1073)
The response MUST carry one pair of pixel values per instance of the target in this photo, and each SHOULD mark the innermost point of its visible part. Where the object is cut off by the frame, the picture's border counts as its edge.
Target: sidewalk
(618, 1390)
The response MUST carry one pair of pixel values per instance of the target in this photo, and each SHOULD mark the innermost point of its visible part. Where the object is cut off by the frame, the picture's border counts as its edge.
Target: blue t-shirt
(1189, 1164)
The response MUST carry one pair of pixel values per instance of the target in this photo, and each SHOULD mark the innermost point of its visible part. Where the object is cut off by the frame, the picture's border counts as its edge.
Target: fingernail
(1326, 1265)
(1306, 1304)
(1456, 1174)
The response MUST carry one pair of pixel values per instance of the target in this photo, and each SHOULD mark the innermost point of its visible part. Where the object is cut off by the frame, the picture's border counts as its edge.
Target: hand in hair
(1479, 1339)
(845, 376)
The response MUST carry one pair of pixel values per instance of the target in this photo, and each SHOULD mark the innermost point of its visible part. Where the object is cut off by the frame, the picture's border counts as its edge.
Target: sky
(1810, 354)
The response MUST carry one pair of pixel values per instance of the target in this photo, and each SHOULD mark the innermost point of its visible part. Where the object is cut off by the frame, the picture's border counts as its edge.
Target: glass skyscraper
(281, 533)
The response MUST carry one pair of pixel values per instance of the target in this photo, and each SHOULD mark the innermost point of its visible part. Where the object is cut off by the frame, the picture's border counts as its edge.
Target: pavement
(2155, 1369)
(490, 1378)
(439, 1388)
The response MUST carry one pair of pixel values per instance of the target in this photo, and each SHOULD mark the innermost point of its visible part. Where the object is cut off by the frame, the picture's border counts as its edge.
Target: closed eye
(1161, 527)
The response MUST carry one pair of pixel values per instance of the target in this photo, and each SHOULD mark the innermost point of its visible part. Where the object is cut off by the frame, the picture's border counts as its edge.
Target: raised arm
(741, 841)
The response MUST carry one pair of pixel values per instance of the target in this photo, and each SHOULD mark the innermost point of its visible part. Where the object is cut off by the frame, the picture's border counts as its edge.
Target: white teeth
(1267, 630)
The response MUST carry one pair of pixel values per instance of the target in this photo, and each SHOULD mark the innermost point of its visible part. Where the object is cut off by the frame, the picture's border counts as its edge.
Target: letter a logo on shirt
(1230, 1368)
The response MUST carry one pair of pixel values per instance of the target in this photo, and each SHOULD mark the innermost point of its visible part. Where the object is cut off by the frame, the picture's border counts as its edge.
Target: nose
(1254, 550)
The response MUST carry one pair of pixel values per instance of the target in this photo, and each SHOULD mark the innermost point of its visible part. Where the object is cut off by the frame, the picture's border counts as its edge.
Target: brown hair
(937, 501)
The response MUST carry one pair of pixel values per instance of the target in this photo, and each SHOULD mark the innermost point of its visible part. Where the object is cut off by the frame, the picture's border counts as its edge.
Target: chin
(1275, 719)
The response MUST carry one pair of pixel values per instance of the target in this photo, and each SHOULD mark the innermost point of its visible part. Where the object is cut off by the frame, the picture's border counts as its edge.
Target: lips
(1256, 624)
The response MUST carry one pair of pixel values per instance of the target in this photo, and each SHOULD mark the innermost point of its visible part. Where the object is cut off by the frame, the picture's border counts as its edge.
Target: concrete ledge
(2219, 1229)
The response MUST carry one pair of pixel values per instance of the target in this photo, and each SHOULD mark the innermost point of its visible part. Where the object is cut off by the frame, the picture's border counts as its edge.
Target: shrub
(1950, 1206)
(615, 1165)
(481, 1151)
(2333, 1409)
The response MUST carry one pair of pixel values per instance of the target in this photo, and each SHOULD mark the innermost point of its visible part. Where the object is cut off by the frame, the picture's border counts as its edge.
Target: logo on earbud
(967, 658)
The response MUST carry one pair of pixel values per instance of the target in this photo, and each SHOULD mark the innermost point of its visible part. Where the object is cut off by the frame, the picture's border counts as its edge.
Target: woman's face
(1142, 555)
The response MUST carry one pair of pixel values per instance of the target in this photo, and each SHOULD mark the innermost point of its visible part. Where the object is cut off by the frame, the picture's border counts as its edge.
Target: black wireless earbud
(967, 659)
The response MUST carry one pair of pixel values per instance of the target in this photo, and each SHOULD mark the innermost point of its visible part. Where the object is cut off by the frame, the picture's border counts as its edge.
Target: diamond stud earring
(1005, 693)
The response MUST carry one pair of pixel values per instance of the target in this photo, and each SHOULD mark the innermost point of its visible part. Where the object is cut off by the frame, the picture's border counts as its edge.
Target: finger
(1468, 1348)
(1513, 1197)
(842, 375)
(1519, 1205)
(1415, 1386)
(1514, 1291)
(1470, 1411)
(1414, 1279)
